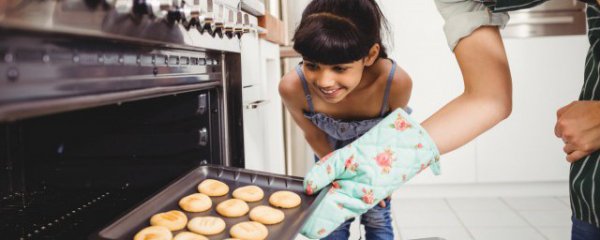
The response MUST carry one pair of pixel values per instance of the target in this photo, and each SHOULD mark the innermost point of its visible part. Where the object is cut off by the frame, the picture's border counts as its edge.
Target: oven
(112, 110)
(104, 103)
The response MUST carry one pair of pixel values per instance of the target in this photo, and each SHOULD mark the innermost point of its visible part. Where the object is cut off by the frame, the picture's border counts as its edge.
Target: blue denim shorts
(377, 222)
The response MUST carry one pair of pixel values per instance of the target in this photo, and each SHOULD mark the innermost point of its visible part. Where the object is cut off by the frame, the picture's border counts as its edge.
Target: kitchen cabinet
(262, 109)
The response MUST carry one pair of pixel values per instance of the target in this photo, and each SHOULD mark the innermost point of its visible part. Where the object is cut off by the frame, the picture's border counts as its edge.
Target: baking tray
(167, 199)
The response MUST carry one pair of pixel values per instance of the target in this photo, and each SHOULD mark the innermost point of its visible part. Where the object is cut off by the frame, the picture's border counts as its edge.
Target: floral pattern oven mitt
(367, 171)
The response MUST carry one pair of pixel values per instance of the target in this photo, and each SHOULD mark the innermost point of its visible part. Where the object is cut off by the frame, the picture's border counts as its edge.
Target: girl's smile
(330, 93)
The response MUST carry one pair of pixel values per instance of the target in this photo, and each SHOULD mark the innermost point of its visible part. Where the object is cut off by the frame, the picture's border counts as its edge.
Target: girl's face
(333, 83)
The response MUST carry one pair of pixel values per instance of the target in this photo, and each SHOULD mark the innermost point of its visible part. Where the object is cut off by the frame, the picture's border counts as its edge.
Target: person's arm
(487, 95)
(472, 33)
(291, 92)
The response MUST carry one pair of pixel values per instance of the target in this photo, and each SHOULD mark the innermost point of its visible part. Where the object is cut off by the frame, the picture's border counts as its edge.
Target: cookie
(285, 199)
(249, 231)
(266, 215)
(206, 225)
(233, 208)
(249, 193)
(154, 233)
(172, 220)
(189, 236)
(197, 202)
(213, 188)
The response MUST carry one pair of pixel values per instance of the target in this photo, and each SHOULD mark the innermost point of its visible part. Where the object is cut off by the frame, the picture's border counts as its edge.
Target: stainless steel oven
(109, 106)
(103, 103)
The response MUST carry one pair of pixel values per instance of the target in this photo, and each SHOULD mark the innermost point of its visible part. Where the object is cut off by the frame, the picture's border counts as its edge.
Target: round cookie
(206, 225)
(266, 215)
(189, 236)
(213, 188)
(250, 193)
(233, 208)
(285, 199)
(154, 233)
(197, 202)
(249, 231)
(172, 220)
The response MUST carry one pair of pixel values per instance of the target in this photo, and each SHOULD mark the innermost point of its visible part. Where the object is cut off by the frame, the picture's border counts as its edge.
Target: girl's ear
(373, 55)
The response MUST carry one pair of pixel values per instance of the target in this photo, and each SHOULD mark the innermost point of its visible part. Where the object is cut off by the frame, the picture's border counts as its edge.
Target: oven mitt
(367, 171)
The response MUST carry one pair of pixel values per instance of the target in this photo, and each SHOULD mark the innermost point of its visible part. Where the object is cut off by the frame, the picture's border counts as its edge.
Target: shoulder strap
(386, 95)
(305, 87)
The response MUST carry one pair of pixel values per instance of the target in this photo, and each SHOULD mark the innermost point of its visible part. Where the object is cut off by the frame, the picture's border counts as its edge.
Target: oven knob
(142, 7)
(218, 22)
(238, 30)
(206, 23)
(179, 12)
(246, 25)
(160, 8)
(206, 20)
(228, 27)
(193, 16)
(123, 6)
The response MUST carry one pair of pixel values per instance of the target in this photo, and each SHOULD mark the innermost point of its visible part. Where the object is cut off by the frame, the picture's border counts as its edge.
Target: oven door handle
(256, 104)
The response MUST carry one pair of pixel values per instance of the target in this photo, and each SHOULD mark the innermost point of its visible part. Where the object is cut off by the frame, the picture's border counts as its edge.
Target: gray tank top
(342, 132)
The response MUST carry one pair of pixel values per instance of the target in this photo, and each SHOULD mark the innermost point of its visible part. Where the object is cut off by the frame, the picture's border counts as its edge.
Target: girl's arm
(487, 96)
(294, 100)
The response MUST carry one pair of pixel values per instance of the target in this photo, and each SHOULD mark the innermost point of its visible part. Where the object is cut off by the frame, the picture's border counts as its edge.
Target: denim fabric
(584, 231)
(377, 222)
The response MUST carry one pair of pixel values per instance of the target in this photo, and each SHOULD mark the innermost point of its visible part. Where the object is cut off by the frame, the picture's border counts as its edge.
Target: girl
(344, 85)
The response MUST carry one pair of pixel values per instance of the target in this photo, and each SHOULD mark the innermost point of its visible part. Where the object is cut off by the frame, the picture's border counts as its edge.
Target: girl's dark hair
(340, 31)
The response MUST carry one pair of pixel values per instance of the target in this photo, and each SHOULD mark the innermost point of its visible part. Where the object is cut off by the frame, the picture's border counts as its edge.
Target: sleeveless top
(342, 132)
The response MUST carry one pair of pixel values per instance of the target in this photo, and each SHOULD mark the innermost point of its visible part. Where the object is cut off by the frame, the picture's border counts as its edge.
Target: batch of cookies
(198, 228)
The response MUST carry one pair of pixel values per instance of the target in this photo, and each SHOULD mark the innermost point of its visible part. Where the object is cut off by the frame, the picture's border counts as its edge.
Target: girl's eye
(311, 66)
(339, 69)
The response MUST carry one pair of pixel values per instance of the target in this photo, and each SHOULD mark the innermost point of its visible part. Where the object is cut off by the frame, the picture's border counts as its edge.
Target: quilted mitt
(368, 170)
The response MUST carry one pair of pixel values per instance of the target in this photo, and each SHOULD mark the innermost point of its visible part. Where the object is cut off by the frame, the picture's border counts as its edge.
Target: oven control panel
(207, 24)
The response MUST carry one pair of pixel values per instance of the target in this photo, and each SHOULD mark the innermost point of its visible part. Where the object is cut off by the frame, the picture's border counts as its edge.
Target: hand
(578, 125)
(367, 171)
(382, 202)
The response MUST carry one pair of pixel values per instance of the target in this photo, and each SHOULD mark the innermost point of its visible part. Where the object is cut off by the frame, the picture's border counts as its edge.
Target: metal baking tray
(129, 224)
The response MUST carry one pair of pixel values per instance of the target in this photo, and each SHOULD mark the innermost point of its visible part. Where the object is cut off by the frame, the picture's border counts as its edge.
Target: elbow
(504, 104)
(496, 106)
(500, 107)
(506, 108)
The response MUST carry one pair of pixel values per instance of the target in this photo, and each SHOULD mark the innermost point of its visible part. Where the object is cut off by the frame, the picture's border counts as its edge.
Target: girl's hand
(382, 202)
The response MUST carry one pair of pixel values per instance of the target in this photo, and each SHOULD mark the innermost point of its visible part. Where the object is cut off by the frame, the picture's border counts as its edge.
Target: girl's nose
(325, 80)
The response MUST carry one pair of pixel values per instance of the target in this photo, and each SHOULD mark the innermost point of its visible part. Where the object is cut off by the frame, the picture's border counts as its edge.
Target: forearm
(486, 99)
(463, 119)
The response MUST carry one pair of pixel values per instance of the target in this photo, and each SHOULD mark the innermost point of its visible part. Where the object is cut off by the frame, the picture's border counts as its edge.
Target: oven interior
(65, 175)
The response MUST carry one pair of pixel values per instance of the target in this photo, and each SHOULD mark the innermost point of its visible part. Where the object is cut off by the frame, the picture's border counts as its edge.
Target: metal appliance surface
(552, 18)
(105, 102)
(128, 225)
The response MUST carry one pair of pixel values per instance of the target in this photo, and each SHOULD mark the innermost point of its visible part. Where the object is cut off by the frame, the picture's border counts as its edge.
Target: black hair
(340, 31)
